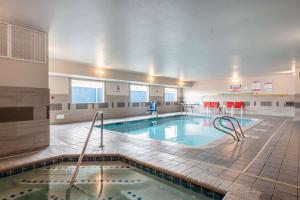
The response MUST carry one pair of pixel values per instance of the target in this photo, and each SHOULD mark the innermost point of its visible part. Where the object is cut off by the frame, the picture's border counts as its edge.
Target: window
(139, 93)
(170, 94)
(87, 91)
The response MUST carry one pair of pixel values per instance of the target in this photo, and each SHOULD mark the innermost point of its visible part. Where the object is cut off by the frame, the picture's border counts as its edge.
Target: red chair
(206, 104)
(229, 104)
(239, 105)
(214, 104)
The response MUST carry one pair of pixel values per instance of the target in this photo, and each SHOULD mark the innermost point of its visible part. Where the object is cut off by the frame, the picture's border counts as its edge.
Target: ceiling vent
(22, 43)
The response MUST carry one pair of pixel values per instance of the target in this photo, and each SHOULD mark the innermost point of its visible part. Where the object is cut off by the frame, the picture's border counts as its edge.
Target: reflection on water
(187, 130)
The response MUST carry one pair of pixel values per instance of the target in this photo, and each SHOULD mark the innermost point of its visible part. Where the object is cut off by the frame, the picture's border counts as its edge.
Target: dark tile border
(16, 114)
(80, 106)
(162, 175)
(55, 106)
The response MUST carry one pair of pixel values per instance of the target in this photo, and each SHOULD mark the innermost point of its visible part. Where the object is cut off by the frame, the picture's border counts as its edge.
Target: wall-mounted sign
(60, 116)
(235, 88)
(118, 88)
(255, 86)
(268, 86)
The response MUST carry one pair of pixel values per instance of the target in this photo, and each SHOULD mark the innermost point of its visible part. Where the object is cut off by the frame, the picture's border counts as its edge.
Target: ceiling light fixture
(235, 77)
(150, 79)
(100, 72)
(180, 82)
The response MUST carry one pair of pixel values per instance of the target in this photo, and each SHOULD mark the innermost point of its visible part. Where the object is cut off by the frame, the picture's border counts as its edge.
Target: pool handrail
(73, 177)
(227, 132)
(232, 128)
(239, 125)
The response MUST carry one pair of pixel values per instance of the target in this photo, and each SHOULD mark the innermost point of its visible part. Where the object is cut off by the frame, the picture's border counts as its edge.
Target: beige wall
(157, 91)
(282, 84)
(116, 88)
(23, 84)
(59, 85)
(24, 92)
(86, 71)
(18, 73)
(267, 103)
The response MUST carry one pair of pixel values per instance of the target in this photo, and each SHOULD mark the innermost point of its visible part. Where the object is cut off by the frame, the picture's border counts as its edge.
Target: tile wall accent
(117, 102)
(25, 124)
(56, 106)
(266, 103)
(115, 107)
(120, 104)
(103, 105)
(82, 106)
(15, 114)
(135, 104)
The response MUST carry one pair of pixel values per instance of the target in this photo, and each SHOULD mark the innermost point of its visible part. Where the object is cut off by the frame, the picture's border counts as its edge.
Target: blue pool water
(193, 131)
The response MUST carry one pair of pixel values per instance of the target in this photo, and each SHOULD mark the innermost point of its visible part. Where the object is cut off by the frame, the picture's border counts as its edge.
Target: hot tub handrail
(238, 123)
(72, 180)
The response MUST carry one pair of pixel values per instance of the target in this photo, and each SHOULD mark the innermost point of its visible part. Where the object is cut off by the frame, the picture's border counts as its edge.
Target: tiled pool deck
(265, 165)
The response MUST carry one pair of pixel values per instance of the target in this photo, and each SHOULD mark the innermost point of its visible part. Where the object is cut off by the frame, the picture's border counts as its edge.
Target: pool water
(100, 180)
(193, 131)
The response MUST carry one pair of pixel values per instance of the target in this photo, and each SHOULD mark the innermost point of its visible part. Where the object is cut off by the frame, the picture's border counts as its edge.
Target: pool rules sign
(255, 86)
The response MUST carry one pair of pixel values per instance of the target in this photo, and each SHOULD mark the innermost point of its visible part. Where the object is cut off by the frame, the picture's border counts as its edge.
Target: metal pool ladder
(73, 178)
(238, 132)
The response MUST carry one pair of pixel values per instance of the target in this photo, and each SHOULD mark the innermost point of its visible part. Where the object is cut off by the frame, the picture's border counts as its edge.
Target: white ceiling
(195, 39)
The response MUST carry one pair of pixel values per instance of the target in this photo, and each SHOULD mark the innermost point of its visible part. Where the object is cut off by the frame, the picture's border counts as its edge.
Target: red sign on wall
(235, 88)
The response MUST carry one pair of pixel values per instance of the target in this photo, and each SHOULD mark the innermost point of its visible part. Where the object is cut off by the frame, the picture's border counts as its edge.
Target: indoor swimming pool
(105, 180)
(194, 131)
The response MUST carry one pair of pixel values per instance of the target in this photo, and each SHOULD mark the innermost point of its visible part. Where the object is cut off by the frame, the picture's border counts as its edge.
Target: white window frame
(139, 85)
(170, 88)
(87, 80)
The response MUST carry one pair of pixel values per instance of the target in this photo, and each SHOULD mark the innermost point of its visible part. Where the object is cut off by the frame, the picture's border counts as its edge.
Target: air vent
(39, 47)
(3, 39)
(22, 43)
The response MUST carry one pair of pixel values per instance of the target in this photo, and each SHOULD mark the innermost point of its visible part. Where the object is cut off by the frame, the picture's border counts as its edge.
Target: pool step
(88, 167)
(83, 181)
